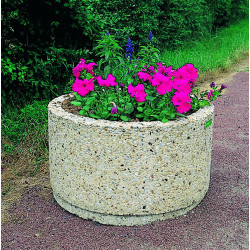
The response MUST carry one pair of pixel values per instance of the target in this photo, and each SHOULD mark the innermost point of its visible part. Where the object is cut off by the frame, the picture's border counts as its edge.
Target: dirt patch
(67, 106)
(22, 169)
(222, 76)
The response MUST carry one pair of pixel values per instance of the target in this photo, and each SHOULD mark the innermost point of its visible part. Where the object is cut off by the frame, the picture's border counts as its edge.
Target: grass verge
(217, 54)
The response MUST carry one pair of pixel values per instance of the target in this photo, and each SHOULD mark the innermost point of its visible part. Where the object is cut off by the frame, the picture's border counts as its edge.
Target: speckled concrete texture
(219, 222)
(128, 173)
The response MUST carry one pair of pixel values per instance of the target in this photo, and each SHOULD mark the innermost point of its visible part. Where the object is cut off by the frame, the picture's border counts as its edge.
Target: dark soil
(67, 106)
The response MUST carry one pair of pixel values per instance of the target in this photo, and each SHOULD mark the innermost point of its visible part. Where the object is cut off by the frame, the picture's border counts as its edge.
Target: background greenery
(42, 40)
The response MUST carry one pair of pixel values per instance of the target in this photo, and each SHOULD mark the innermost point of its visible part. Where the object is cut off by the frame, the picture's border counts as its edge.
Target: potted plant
(140, 148)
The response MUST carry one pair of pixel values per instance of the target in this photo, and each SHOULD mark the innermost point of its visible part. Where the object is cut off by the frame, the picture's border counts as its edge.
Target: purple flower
(150, 35)
(2, 169)
(114, 110)
(223, 86)
(130, 48)
(122, 84)
(107, 33)
(212, 84)
(210, 94)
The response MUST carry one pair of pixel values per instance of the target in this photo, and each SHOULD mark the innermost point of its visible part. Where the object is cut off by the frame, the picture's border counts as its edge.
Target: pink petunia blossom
(83, 87)
(182, 100)
(182, 85)
(163, 70)
(164, 83)
(137, 92)
(110, 81)
(187, 72)
(89, 68)
(144, 76)
(183, 107)
(81, 66)
(152, 68)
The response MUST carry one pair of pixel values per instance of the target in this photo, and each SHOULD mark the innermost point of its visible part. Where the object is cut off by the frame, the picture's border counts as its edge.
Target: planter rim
(55, 106)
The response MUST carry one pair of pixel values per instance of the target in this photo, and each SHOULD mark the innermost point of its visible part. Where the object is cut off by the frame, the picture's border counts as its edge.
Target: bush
(39, 76)
(225, 12)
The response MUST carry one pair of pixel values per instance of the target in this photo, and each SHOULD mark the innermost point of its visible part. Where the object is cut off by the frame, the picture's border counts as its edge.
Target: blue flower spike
(130, 48)
(150, 36)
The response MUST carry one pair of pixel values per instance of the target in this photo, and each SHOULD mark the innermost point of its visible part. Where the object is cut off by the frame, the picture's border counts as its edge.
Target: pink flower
(182, 85)
(187, 72)
(89, 67)
(110, 81)
(182, 100)
(183, 107)
(81, 66)
(151, 68)
(144, 76)
(164, 83)
(163, 70)
(137, 92)
(83, 87)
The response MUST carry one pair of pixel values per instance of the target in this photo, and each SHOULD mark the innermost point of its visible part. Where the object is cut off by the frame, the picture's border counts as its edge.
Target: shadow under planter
(128, 173)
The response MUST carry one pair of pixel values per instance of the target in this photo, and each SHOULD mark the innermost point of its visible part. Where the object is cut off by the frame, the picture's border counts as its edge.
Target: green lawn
(220, 52)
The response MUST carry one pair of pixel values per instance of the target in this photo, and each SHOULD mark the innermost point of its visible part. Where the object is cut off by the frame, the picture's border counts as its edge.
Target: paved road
(219, 222)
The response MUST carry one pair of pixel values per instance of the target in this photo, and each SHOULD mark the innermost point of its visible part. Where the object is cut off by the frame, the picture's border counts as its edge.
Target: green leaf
(207, 124)
(140, 109)
(78, 97)
(89, 76)
(140, 115)
(164, 120)
(129, 108)
(82, 112)
(165, 112)
(129, 79)
(76, 103)
(94, 116)
(86, 108)
(107, 70)
(180, 114)
(105, 114)
(204, 103)
(150, 98)
(124, 118)
(172, 115)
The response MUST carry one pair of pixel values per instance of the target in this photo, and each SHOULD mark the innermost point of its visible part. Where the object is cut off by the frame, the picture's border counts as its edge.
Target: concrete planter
(132, 173)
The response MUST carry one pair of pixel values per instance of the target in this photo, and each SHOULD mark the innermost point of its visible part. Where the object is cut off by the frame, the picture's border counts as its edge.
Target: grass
(25, 133)
(30, 121)
(214, 55)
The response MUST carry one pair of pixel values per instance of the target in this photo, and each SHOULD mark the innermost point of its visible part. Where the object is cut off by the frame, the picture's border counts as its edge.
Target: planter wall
(132, 173)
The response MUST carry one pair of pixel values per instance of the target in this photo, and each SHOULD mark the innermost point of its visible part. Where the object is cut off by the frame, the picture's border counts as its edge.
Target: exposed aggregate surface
(112, 172)
(219, 222)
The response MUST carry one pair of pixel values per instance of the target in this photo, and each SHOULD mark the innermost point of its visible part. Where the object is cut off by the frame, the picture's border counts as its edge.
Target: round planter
(128, 173)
